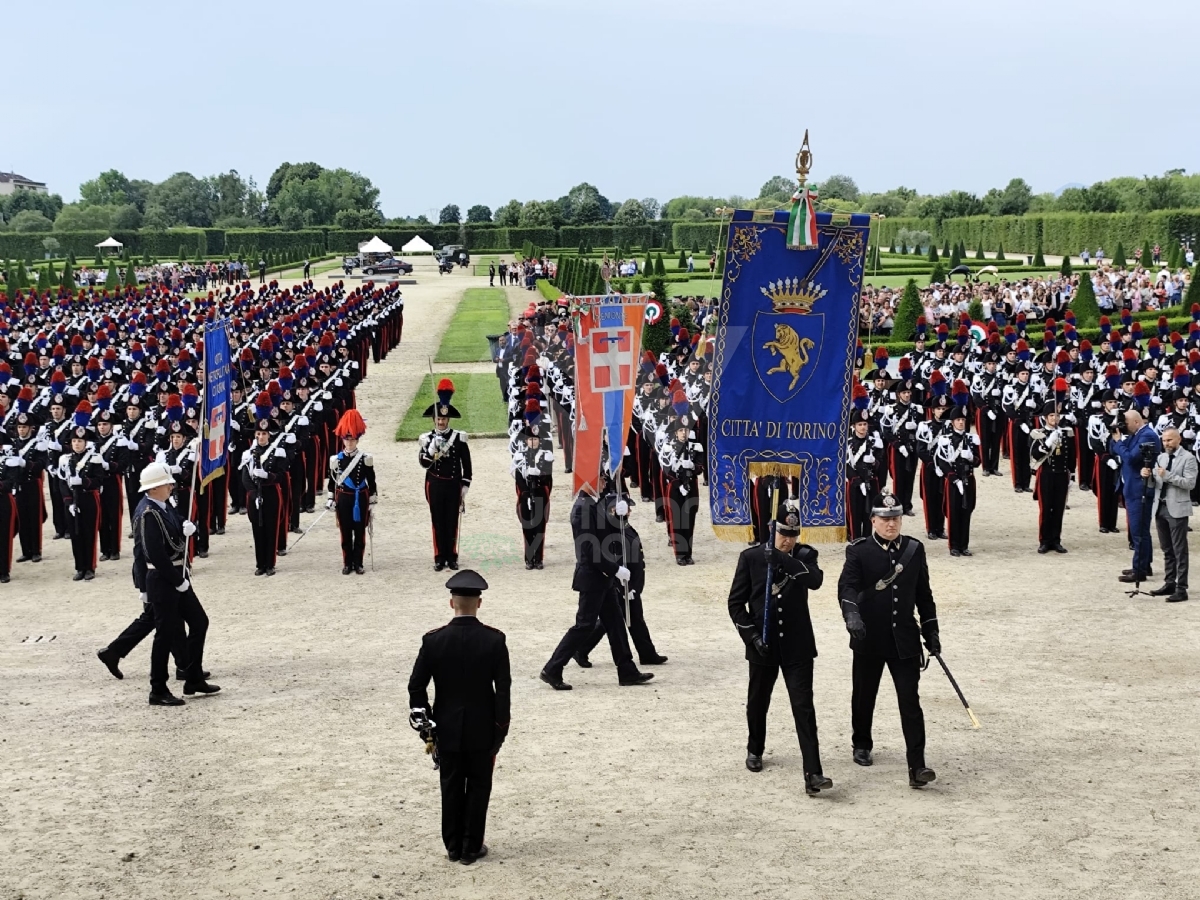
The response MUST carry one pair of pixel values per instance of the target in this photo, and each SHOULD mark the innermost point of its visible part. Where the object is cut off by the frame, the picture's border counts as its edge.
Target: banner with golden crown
(787, 324)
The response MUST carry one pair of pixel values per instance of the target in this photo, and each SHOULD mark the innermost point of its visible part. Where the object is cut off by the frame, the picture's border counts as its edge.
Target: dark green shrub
(933, 254)
(1118, 258)
(907, 313)
(938, 275)
(1000, 252)
(1087, 312)
(1038, 259)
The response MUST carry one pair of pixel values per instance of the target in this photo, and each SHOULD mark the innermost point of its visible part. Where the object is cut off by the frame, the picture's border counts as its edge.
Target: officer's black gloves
(933, 643)
(759, 646)
(855, 625)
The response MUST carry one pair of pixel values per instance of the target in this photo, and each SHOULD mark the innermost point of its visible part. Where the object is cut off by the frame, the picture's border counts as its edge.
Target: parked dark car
(389, 266)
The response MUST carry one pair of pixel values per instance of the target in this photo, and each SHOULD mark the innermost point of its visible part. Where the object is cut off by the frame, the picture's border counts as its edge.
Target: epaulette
(858, 541)
(434, 631)
(491, 628)
(368, 460)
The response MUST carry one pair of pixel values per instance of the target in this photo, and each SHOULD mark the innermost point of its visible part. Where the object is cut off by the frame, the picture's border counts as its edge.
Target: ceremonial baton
(371, 535)
(766, 629)
(957, 689)
(626, 565)
(310, 527)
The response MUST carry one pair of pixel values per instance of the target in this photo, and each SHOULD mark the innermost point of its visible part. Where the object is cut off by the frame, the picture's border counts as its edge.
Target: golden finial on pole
(803, 161)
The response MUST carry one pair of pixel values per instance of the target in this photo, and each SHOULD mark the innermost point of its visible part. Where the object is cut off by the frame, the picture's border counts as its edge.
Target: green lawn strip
(480, 312)
(476, 396)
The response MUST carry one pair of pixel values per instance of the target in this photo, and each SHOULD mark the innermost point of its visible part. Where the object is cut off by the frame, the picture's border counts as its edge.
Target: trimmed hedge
(1061, 233)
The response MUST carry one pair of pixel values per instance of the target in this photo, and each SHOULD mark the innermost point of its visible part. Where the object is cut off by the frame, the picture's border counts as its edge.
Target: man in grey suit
(1174, 478)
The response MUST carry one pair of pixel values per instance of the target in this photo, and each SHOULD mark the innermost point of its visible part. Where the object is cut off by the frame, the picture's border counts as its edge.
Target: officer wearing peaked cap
(468, 664)
(883, 585)
(778, 634)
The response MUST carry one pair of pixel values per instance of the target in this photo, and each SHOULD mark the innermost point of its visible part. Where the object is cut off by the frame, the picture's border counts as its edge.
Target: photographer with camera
(1137, 453)
(1174, 476)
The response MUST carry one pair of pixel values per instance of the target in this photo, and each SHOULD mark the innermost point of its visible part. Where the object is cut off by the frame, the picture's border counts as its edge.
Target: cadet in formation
(444, 455)
(352, 489)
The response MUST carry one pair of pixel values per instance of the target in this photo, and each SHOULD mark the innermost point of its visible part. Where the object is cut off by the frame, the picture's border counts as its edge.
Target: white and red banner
(608, 341)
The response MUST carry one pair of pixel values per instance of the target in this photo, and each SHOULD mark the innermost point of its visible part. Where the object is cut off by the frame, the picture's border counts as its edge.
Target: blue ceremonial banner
(214, 445)
(787, 326)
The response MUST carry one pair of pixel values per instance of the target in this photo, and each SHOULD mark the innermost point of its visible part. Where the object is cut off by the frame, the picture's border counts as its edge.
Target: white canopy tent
(111, 244)
(375, 247)
(417, 245)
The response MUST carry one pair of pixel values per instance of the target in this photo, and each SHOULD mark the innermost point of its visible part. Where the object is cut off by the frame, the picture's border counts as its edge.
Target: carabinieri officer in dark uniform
(790, 644)
(444, 454)
(885, 580)
(468, 663)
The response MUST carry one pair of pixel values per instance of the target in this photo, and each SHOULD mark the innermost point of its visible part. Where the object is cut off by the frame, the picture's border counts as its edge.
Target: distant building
(11, 182)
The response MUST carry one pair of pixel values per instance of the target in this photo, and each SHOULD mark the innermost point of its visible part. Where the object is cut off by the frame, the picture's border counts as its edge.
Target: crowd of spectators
(1037, 296)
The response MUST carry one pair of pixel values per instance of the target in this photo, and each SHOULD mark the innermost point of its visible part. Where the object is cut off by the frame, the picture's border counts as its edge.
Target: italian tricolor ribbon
(802, 221)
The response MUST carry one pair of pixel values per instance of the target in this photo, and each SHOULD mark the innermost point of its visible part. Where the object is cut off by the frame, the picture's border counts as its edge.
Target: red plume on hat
(351, 425)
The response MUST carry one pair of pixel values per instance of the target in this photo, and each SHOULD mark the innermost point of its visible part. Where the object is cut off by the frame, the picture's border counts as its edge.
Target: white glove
(259, 473)
(991, 415)
(1155, 399)
(183, 587)
(965, 454)
(1054, 440)
(104, 464)
(1031, 403)
(329, 503)
(1025, 428)
(14, 461)
(40, 446)
(621, 508)
(1189, 434)
(72, 509)
(687, 464)
(290, 439)
(995, 393)
(869, 458)
(143, 597)
(279, 451)
(465, 488)
(622, 575)
(189, 528)
(175, 470)
(74, 481)
(374, 499)
(1113, 464)
(235, 426)
(338, 382)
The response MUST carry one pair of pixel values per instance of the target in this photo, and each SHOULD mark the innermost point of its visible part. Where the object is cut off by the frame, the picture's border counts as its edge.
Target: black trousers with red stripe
(85, 529)
(111, 516)
(444, 497)
(266, 522)
(1050, 491)
(682, 504)
(8, 530)
(31, 513)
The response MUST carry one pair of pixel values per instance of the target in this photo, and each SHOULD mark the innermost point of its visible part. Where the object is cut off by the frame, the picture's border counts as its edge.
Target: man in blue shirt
(1143, 443)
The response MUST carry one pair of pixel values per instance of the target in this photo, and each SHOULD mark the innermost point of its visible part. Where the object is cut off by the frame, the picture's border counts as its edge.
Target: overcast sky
(480, 101)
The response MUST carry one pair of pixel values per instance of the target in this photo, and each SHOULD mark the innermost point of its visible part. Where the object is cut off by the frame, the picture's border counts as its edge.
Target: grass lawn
(476, 396)
(480, 312)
